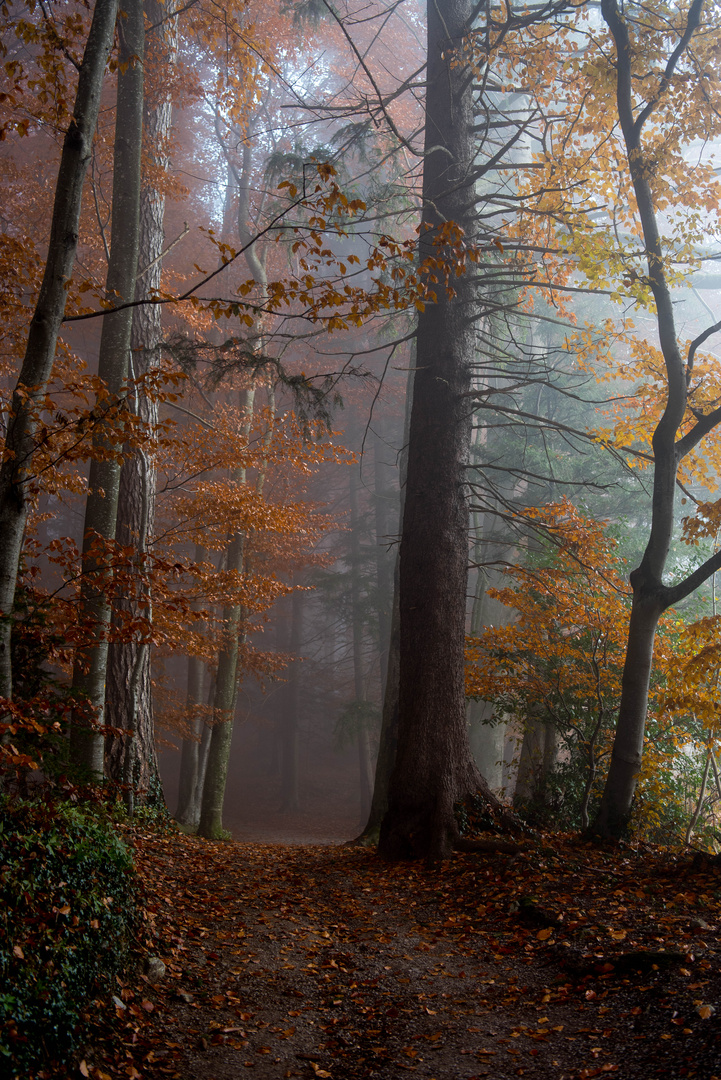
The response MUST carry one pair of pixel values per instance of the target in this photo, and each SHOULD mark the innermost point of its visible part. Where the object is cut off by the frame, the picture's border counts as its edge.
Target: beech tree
(16, 474)
(129, 661)
(101, 507)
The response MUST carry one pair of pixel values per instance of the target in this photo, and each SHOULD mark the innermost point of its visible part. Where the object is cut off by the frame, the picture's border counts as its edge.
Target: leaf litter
(563, 961)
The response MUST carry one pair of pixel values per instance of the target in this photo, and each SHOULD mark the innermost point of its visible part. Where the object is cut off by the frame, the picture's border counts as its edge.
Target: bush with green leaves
(68, 914)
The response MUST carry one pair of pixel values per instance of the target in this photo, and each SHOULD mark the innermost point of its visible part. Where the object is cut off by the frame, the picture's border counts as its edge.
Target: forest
(359, 536)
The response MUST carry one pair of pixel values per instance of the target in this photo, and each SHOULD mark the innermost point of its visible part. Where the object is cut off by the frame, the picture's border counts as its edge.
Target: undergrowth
(68, 915)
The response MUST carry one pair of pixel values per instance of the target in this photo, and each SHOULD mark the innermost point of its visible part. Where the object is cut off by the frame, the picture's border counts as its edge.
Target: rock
(155, 969)
(118, 1003)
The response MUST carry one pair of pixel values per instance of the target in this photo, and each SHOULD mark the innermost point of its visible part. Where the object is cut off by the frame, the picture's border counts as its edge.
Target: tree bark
(16, 480)
(89, 674)
(434, 766)
(136, 508)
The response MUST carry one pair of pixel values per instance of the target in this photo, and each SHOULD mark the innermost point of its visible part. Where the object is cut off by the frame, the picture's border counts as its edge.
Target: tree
(434, 767)
(16, 474)
(101, 507)
(687, 415)
(129, 661)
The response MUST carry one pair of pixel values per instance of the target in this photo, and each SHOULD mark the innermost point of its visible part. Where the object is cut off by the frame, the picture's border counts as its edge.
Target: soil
(560, 961)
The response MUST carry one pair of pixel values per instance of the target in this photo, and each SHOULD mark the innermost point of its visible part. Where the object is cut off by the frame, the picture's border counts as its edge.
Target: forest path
(291, 961)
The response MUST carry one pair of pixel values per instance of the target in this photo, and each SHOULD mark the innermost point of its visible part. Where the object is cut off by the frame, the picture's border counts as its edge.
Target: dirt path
(320, 961)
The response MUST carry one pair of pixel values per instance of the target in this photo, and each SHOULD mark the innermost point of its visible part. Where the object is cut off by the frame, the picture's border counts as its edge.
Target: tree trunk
(388, 740)
(136, 508)
(362, 738)
(289, 792)
(536, 761)
(383, 506)
(226, 682)
(434, 766)
(190, 753)
(627, 752)
(89, 674)
(16, 480)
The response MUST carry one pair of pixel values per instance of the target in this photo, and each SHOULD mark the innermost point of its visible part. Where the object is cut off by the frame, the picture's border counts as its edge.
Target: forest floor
(561, 961)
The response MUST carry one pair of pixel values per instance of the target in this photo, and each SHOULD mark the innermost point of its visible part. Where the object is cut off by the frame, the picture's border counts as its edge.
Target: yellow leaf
(544, 935)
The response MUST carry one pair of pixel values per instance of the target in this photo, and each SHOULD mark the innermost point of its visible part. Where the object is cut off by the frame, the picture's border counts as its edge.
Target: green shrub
(67, 918)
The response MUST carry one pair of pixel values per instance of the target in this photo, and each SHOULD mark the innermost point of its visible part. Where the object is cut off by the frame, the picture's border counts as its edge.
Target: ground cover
(561, 961)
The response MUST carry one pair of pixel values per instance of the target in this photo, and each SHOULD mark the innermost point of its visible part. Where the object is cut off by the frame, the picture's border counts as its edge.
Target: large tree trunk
(16, 481)
(434, 766)
(136, 509)
(89, 674)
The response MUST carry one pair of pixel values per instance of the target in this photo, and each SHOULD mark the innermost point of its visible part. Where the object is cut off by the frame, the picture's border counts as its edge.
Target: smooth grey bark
(136, 507)
(434, 766)
(87, 742)
(16, 478)
(651, 597)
